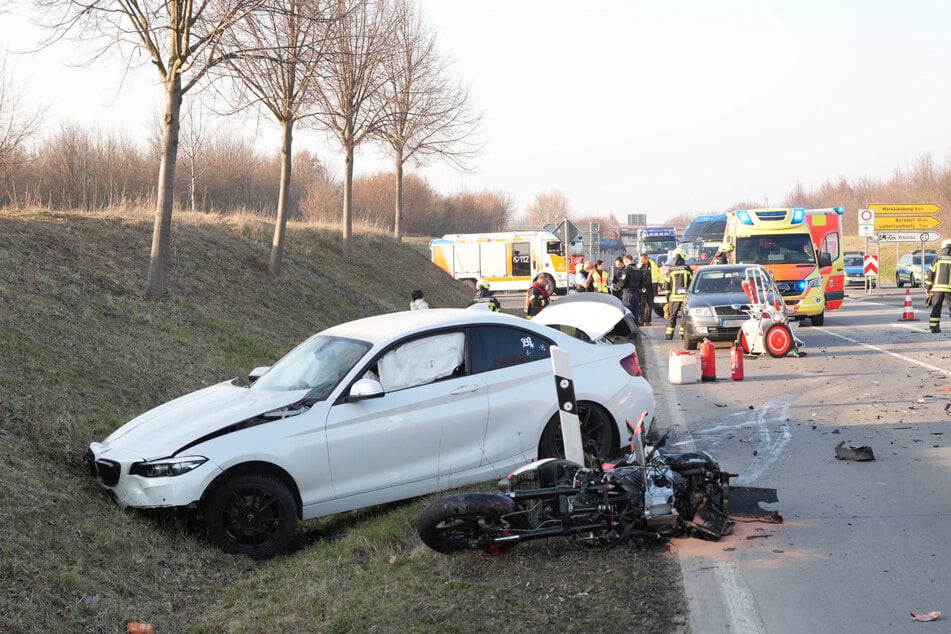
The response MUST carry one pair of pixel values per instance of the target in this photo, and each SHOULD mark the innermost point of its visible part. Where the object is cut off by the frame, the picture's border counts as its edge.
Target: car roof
(384, 327)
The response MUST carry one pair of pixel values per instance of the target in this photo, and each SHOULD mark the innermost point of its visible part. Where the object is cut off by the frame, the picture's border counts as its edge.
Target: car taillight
(631, 364)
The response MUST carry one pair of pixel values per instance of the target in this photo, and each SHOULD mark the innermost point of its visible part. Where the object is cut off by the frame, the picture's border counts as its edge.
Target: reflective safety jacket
(678, 277)
(600, 281)
(938, 277)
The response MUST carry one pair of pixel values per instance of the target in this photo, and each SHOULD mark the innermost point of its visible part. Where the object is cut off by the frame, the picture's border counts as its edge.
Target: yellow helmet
(726, 246)
(945, 244)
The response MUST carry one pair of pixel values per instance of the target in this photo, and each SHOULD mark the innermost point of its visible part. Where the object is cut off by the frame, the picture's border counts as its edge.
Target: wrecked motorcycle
(648, 493)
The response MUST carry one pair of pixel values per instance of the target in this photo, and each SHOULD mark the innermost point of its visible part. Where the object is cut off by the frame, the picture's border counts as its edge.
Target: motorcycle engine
(659, 508)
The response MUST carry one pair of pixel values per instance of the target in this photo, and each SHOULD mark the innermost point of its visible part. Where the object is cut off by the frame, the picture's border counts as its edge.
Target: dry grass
(81, 352)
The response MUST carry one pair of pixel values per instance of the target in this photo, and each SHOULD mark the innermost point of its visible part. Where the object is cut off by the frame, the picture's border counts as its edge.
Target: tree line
(361, 71)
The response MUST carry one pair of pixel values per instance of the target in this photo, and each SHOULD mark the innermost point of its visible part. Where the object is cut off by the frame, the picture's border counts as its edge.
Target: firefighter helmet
(945, 244)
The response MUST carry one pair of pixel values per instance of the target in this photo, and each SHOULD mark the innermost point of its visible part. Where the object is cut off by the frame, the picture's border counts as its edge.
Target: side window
(421, 361)
(495, 347)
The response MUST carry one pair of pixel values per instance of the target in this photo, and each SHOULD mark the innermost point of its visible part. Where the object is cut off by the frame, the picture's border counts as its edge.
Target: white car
(377, 410)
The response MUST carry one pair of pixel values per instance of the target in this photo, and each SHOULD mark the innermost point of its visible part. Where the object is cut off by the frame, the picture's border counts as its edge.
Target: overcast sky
(657, 107)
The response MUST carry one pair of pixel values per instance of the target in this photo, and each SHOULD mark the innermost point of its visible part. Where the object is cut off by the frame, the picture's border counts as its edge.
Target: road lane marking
(888, 352)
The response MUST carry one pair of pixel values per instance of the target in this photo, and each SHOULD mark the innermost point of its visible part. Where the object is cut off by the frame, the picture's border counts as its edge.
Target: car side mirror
(364, 389)
(257, 373)
(825, 259)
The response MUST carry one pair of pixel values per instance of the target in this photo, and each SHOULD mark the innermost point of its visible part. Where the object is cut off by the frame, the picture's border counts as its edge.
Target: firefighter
(537, 297)
(678, 279)
(485, 296)
(938, 285)
(722, 256)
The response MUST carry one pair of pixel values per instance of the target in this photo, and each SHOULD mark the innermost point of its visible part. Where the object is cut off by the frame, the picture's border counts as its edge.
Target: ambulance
(507, 260)
(801, 248)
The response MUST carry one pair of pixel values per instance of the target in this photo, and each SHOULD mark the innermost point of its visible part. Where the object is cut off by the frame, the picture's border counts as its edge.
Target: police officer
(678, 279)
(631, 285)
(938, 285)
(651, 275)
(484, 296)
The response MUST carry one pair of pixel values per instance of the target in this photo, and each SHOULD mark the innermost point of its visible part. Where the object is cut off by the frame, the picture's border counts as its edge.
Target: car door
(427, 427)
(516, 365)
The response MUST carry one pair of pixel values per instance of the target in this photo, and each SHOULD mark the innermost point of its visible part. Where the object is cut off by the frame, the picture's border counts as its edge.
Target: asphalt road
(863, 544)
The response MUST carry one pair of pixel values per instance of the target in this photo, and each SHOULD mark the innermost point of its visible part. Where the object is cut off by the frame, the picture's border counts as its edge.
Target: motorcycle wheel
(470, 521)
(778, 340)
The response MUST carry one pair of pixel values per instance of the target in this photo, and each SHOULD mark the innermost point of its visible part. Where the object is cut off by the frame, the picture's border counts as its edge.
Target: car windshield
(713, 280)
(776, 249)
(699, 252)
(854, 260)
(317, 365)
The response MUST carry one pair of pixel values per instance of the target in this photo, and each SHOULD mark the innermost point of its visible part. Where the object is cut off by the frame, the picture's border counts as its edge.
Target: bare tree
(183, 40)
(549, 207)
(283, 47)
(18, 124)
(426, 113)
(346, 108)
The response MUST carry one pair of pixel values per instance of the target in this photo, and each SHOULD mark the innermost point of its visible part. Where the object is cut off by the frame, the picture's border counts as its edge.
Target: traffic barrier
(909, 312)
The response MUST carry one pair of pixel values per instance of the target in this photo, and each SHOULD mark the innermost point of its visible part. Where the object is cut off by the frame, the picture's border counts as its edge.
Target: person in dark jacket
(651, 275)
(631, 285)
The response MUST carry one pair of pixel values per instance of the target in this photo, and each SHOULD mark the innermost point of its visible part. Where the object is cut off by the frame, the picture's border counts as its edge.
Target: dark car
(855, 270)
(717, 304)
(909, 268)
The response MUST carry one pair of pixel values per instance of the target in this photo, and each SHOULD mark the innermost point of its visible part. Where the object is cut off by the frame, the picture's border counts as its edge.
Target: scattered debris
(853, 453)
(763, 536)
(930, 616)
(947, 409)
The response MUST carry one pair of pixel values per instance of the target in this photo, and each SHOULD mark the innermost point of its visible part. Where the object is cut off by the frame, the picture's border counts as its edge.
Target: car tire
(898, 281)
(659, 310)
(251, 514)
(818, 320)
(690, 344)
(912, 282)
(598, 435)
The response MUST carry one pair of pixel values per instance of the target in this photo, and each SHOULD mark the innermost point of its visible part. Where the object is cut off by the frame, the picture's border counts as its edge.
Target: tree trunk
(398, 220)
(347, 224)
(277, 246)
(157, 282)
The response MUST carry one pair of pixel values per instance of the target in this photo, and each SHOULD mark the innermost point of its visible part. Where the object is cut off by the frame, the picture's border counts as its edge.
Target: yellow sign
(905, 223)
(908, 209)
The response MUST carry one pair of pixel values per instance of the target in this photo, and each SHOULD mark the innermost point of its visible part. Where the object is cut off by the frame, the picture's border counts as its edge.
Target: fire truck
(802, 249)
(507, 260)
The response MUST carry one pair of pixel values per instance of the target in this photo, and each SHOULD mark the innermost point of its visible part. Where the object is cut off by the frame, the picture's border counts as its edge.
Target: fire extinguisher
(736, 361)
(708, 361)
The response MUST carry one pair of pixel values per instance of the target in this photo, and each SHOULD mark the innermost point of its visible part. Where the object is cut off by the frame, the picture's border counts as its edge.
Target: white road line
(737, 601)
(888, 352)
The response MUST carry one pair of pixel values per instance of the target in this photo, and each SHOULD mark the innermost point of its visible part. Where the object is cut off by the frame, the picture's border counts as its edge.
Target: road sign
(907, 209)
(866, 222)
(905, 236)
(905, 223)
(566, 231)
(870, 263)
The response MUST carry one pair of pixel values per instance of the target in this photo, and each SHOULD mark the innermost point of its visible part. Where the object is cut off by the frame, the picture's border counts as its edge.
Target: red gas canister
(736, 362)
(708, 361)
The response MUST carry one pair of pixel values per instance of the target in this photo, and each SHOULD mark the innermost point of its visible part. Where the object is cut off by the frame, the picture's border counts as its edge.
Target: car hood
(717, 299)
(596, 314)
(162, 431)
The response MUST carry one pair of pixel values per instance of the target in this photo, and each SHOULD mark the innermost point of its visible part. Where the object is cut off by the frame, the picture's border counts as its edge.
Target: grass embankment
(81, 352)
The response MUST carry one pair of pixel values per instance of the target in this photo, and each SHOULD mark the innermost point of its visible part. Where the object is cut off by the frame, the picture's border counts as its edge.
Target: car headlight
(167, 467)
(700, 311)
(814, 283)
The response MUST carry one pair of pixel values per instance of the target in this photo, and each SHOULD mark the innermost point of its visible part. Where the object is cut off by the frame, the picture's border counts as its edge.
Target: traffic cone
(909, 313)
